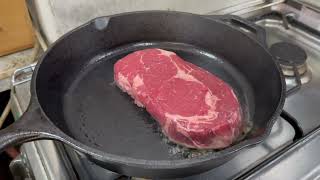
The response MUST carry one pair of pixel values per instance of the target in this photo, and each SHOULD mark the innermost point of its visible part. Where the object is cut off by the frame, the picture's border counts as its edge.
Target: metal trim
(20, 72)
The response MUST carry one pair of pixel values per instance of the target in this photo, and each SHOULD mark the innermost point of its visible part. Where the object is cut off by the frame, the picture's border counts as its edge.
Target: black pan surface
(99, 114)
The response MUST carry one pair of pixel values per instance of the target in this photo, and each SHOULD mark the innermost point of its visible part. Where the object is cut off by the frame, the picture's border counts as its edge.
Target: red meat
(194, 107)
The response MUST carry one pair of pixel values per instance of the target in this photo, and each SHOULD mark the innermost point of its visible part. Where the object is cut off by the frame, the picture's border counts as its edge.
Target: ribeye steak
(193, 107)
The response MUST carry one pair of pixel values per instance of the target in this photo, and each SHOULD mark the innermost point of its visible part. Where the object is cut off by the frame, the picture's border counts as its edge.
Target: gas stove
(294, 39)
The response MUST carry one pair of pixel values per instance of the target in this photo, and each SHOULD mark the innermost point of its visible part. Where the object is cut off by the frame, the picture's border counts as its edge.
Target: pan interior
(98, 114)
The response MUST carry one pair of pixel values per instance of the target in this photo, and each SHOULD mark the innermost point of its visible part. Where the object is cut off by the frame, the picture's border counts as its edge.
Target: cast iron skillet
(74, 99)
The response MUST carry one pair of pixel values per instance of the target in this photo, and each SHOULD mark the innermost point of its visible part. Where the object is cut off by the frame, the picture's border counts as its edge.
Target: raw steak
(194, 108)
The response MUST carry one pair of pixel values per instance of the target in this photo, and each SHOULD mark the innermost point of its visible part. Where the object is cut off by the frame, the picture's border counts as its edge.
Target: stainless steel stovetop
(292, 144)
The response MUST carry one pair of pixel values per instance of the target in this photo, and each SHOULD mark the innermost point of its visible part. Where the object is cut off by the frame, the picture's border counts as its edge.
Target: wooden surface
(15, 27)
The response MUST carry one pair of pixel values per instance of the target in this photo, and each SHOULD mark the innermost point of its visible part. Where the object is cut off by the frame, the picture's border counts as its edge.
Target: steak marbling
(194, 107)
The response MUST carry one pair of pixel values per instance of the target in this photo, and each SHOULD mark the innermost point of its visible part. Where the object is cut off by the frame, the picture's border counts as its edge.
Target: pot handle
(31, 126)
(236, 21)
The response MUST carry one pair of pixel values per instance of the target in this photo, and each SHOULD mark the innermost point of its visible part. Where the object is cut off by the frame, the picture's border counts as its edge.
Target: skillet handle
(31, 126)
(238, 22)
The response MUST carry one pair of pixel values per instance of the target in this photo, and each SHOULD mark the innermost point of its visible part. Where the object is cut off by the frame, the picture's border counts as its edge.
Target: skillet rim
(157, 164)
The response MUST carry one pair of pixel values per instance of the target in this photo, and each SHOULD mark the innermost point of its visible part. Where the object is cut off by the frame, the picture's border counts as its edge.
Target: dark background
(4, 157)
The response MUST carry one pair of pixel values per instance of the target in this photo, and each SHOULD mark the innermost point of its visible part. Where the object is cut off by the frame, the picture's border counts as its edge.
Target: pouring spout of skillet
(75, 101)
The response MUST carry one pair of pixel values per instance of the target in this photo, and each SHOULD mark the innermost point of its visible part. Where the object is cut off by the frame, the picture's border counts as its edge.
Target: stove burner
(290, 55)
